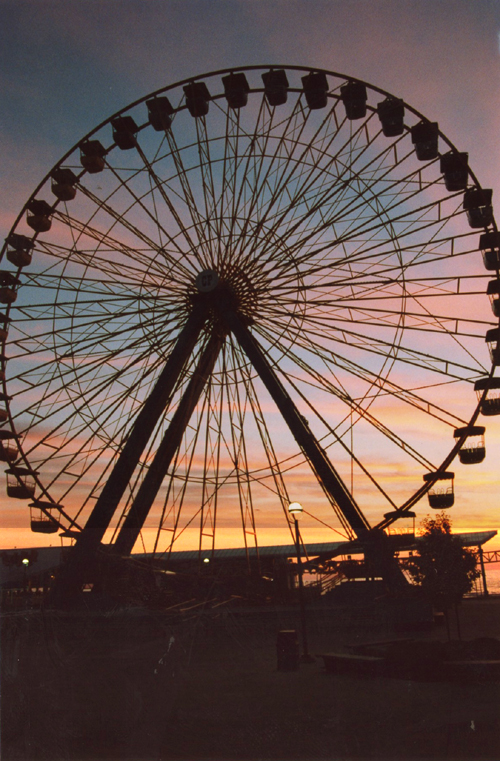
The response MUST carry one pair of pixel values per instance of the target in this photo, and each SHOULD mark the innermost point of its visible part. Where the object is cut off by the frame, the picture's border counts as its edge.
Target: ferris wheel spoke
(212, 478)
(306, 163)
(275, 467)
(97, 364)
(116, 484)
(138, 202)
(319, 381)
(348, 232)
(318, 204)
(423, 321)
(319, 260)
(256, 202)
(323, 468)
(360, 287)
(186, 458)
(226, 213)
(137, 260)
(208, 489)
(122, 222)
(382, 289)
(97, 372)
(83, 453)
(433, 250)
(402, 353)
(442, 250)
(99, 303)
(270, 186)
(238, 408)
(208, 186)
(246, 202)
(177, 481)
(172, 439)
(317, 216)
(265, 435)
(172, 509)
(106, 339)
(241, 205)
(334, 361)
(362, 414)
(80, 414)
(160, 188)
(278, 468)
(70, 286)
(186, 196)
(370, 187)
(409, 503)
(259, 179)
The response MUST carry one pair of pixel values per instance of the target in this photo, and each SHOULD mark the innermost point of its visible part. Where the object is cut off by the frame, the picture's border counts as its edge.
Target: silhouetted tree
(442, 567)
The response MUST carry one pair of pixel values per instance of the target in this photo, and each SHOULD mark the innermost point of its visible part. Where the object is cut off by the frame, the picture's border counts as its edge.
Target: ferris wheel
(250, 286)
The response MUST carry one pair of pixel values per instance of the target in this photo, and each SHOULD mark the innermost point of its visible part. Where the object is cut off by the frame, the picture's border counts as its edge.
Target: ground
(234, 704)
(209, 688)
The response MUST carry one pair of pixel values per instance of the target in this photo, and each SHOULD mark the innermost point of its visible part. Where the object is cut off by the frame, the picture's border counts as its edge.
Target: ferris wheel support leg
(148, 490)
(323, 468)
(375, 543)
(82, 556)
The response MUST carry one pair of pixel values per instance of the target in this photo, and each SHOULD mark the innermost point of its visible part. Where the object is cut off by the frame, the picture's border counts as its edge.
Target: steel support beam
(149, 488)
(82, 558)
(321, 465)
(141, 432)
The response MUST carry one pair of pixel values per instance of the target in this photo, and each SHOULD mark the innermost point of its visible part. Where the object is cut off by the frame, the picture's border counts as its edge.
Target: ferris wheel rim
(407, 505)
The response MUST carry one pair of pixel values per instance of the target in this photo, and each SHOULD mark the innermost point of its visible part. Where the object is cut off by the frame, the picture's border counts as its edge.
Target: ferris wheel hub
(207, 281)
(231, 288)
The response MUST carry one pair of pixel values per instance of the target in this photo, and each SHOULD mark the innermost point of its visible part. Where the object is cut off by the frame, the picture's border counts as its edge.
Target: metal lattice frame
(352, 289)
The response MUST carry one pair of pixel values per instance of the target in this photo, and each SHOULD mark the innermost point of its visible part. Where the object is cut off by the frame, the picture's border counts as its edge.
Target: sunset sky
(67, 66)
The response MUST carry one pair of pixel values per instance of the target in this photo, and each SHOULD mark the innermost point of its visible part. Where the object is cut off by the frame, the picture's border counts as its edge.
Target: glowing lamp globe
(295, 509)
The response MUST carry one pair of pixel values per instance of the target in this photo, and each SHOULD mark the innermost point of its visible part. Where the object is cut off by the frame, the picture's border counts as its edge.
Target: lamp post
(295, 509)
(25, 562)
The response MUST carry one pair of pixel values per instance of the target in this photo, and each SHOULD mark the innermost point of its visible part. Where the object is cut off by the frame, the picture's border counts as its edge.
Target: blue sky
(65, 66)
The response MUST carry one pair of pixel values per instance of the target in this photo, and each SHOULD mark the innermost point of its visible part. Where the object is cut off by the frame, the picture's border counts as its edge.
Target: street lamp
(25, 562)
(295, 509)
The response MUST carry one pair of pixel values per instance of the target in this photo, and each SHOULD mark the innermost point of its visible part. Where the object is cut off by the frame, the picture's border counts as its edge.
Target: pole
(483, 572)
(306, 657)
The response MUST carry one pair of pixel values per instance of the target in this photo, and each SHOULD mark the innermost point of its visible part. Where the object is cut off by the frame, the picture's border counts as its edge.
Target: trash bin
(287, 650)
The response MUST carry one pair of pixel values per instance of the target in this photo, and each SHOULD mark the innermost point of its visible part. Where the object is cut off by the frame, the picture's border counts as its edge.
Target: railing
(399, 531)
(492, 556)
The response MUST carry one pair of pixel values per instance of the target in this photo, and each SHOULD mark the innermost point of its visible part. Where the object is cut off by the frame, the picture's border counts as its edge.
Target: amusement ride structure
(244, 282)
